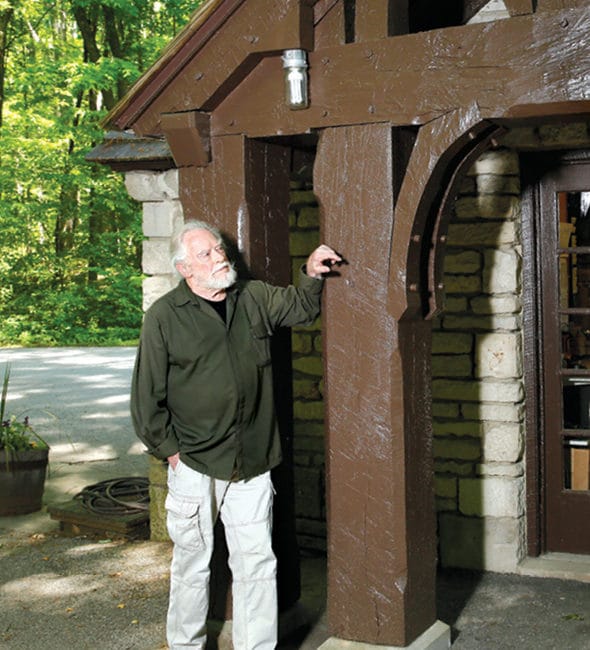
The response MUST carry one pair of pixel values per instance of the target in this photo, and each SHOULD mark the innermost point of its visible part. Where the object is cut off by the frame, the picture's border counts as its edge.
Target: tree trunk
(5, 18)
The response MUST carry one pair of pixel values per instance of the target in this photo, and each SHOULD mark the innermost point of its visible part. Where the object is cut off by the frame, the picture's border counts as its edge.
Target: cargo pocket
(183, 521)
(261, 342)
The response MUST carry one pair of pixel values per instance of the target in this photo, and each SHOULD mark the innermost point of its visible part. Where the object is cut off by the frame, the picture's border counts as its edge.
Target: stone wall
(308, 408)
(477, 374)
(477, 363)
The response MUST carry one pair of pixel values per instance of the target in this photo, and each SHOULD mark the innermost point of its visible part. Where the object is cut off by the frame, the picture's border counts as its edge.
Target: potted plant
(23, 461)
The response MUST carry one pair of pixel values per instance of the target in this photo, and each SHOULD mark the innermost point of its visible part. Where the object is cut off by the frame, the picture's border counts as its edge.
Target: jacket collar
(183, 295)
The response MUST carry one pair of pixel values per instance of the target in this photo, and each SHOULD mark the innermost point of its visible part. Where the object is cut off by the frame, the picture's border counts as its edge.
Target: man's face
(206, 265)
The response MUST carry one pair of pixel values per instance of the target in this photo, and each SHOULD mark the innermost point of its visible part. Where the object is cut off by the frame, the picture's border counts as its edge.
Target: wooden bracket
(188, 136)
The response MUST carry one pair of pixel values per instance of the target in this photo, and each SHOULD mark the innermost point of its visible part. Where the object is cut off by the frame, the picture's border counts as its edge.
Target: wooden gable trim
(212, 56)
(529, 67)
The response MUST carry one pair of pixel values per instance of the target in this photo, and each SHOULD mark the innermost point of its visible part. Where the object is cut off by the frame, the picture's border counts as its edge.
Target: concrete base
(563, 566)
(436, 637)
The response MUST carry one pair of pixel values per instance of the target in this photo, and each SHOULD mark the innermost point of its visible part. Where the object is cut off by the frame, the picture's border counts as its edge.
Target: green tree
(71, 236)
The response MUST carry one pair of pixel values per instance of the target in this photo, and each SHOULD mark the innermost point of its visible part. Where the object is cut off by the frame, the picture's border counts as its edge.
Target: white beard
(223, 282)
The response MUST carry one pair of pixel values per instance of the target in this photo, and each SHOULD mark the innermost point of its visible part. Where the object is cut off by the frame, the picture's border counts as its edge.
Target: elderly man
(202, 399)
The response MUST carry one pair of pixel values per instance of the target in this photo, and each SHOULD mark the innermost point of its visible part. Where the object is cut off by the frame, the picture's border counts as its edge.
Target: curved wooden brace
(443, 150)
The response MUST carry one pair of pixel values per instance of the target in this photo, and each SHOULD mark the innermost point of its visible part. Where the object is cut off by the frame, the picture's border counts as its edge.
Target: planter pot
(22, 481)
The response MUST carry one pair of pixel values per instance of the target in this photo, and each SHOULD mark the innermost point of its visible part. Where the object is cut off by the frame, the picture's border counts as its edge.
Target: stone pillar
(162, 214)
(478, 388)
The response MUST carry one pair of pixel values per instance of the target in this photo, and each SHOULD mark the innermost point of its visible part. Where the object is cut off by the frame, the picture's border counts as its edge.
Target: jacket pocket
(261, 343)
(183, 521)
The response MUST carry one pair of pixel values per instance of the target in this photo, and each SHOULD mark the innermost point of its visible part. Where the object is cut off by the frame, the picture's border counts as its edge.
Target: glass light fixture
(296, 79)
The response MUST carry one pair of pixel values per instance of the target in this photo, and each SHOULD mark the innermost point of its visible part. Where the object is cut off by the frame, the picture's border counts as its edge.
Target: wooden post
(381, 519)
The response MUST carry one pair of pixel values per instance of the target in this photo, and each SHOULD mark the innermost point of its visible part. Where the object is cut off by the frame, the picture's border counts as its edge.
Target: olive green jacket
(204, 387)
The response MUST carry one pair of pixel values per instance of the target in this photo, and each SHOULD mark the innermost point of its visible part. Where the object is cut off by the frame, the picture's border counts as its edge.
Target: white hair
(178, 247)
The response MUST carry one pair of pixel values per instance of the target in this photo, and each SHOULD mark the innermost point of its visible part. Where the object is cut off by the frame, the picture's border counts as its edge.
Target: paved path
(78, 400)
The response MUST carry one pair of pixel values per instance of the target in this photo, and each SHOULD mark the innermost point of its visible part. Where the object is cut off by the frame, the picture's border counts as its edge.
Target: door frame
(534, 169)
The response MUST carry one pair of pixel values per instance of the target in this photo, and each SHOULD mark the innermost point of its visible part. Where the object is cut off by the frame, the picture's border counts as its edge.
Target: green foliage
(70, 249)
(16, 435)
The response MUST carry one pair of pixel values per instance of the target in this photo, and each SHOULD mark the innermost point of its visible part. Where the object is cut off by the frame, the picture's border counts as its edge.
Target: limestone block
(564, 134)
(308, 441)
(522, 137)
(490, 544)
(461, 449)
(161, 218)
(498, 412)
(314, 428)
(481, 322)
(455, 304)
(478, 391)
(443, 504)
(492, 497)
(451, 365)
(456, 467)
(152, 186)
(309, 217)
(500, 162)
(156, 286)
(308, 410)
(306, 389)
(304, 242)
(467, 186)
(496, 184)
(496, 304)
(463, 262)
(301, 342)
(445, 487)
(501, 271)
(302, 197)
(445, 410)
(495, 233)
(451, 342)
(455, 390)
(309, 365)
(459, 428)
(487, 206)
(462, 283)
(502, 441)
(498, 355)
(510, 392)
(510, 470)
(156, 256)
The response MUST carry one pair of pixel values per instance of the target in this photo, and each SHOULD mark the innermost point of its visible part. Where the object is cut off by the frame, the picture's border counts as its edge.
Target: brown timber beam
(508, 65)
(379, 471)
(519, 7)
